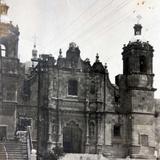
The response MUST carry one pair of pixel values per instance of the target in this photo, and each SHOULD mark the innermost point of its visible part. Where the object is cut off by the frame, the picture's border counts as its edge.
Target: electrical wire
(115, 10)
(89, 19)
(76, 19)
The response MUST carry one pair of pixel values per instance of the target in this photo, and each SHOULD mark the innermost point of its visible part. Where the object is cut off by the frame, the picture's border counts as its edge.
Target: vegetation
(55, 153)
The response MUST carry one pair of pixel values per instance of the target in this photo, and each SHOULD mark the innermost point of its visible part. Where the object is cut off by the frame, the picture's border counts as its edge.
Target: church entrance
(72, 138)
(3, 132)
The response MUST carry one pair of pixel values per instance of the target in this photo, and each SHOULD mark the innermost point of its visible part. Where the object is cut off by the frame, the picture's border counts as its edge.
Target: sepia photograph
(79, 80)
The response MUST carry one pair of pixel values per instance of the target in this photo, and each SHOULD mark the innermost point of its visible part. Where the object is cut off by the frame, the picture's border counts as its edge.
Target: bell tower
(9, 34)
(137, 61)
(9, 70)
(137, 96)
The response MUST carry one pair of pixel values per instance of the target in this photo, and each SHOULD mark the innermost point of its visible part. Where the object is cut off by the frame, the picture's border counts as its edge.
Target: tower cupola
(137, 29)
(137, 60)
(137, 54)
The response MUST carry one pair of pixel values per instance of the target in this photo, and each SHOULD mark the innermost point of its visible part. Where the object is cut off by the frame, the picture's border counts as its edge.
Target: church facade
(72, 104)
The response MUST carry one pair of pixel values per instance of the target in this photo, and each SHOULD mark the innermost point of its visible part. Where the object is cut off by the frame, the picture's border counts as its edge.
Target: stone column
(87, 129)
(50, 132)
(87, 134)
(1, 94)
(99, 137)
(50, 141)
(60, 132)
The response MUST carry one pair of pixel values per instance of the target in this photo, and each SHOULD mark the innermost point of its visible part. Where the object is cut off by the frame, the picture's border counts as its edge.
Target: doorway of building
(72, 138)
(3, 132)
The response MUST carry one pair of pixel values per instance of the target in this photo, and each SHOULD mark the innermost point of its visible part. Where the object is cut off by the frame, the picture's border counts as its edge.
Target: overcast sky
(97, 26)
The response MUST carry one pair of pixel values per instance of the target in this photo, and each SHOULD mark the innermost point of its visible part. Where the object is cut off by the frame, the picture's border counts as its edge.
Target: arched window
(73, 87)
(126, 65)
(143, 64)
(91, 129)
(26, 87)
(3, 50)
(144, 140)
(117, 130)
(92, 87)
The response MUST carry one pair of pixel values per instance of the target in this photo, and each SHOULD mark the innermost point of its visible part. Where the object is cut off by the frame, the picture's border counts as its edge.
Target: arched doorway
(72, 138)
(3, 132)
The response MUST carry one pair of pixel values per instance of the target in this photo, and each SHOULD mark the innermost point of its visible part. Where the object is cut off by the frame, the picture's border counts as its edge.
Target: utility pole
(42, 68)
(38, 106)
(38, 102)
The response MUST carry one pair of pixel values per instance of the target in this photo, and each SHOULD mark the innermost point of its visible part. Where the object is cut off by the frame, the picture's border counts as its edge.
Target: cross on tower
(35, 40)
(139, 17)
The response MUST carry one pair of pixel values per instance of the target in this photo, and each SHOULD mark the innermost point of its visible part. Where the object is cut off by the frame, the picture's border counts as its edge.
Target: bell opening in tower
(143, 65)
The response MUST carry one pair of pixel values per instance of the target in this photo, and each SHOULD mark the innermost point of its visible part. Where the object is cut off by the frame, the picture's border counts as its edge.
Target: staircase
(83, 157)
(2, 153)
(71, 156)
(13, 150)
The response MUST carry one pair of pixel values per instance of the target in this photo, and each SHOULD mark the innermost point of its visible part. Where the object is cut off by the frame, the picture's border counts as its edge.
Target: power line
(116, 22)
(72, 33)
(90, 18)
(108, 28)
(119, 7)
(82, 13)
(79, 16)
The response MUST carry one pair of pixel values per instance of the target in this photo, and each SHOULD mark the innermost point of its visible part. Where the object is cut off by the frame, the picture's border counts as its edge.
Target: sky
(96, 26)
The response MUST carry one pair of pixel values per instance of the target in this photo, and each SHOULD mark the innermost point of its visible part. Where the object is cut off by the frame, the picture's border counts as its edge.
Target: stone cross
(139, 17)
(35, 40)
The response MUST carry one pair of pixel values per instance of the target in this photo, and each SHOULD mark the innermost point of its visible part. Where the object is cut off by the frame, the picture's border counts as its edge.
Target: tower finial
(137, 29)
(97, 58)
(35, 40)
(34, 50)
(60, 53)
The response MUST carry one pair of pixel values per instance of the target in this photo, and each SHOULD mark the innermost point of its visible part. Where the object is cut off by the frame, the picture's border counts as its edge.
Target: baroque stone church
(68, 102)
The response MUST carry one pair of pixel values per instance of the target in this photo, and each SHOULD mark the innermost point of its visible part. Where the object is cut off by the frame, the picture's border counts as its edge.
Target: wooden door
(72, 138)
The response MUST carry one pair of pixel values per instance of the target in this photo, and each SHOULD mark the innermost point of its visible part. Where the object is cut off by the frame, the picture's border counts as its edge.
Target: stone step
(83, 157)
(71, 156)
(15, 150)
